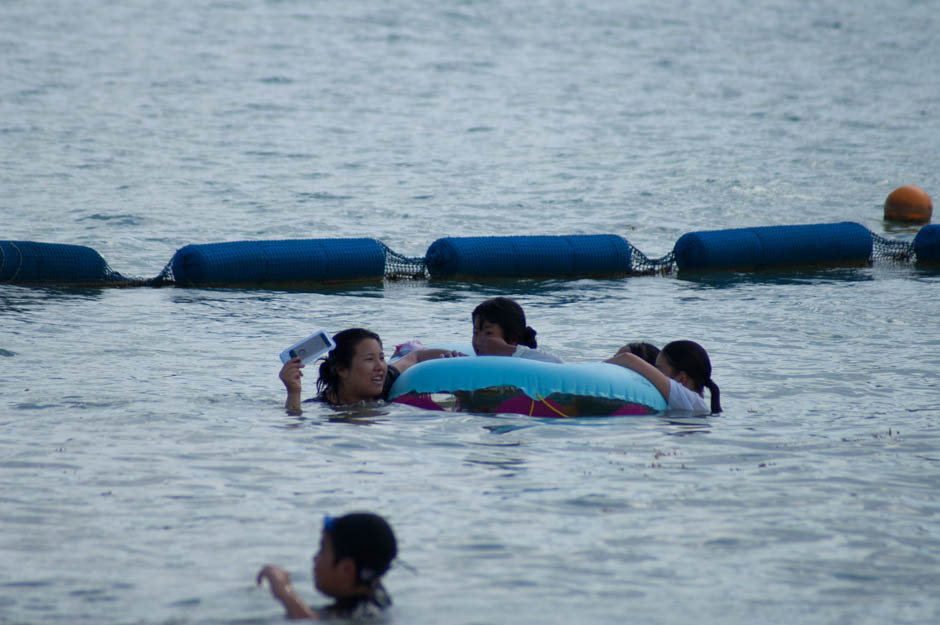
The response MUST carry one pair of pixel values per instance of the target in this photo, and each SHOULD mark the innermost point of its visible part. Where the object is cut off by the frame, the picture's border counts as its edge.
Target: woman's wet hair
(646, 351)
(365, 537)
(340, 357)
(509, 316)
(690, 357)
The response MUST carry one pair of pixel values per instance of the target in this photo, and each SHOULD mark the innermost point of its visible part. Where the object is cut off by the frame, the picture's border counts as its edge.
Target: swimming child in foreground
(681, 373)
(355, 551)
(499, 329)
(354, 371)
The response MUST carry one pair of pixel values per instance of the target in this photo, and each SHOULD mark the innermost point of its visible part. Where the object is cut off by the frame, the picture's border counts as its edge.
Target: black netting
(399, 267)
(889, 250)
(164, 278)
(643, 265)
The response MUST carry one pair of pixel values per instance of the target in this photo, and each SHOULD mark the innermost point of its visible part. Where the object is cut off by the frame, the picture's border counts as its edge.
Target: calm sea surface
(147, 468)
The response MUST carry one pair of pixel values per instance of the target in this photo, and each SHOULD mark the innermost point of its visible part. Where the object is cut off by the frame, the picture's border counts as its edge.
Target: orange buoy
(908, 203)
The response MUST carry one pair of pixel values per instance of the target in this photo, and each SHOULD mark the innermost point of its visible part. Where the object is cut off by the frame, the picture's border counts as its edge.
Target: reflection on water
(807, 276)
(18, 299)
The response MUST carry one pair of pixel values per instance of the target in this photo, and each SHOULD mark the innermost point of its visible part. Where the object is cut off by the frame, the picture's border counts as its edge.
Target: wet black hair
(340, 357)
(368, 539)
(690, 357)
(646, 351)
(509, 316)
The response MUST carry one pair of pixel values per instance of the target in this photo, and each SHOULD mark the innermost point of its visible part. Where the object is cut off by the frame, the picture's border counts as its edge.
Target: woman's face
(365, 377)
(482, 331)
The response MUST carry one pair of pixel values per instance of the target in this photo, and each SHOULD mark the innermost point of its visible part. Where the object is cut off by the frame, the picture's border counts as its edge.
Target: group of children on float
(357, 549)
(355, 370)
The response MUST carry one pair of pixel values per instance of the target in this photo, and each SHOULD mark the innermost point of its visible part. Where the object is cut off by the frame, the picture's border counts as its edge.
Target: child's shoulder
(683, 398)
(532, 353)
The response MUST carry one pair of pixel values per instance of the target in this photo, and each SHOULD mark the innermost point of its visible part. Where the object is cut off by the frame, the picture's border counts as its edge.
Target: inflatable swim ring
(499, 384)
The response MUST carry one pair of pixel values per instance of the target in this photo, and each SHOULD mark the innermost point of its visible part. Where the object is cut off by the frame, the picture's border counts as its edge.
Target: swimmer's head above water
(499, 320)
(355, 369)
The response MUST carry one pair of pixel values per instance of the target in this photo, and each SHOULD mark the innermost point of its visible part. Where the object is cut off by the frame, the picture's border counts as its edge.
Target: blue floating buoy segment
(284, 262)
(500, 384)
(30, 262)
(746, 249)
(529, 256)
(927, 244)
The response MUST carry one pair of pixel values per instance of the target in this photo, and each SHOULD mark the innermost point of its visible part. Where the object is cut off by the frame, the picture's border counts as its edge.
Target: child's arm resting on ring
(281, 588)
(420, 355)
(433, 352)
(648, 371)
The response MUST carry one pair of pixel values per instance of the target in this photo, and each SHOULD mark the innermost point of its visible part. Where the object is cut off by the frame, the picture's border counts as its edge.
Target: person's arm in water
(290, 375)
(648, 371)
(283, 591)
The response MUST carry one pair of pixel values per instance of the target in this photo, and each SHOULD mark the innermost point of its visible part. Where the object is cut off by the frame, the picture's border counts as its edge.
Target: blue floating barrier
(292, 261)
(529, 256)
(927, 244)
(845, 243)
(29, 262)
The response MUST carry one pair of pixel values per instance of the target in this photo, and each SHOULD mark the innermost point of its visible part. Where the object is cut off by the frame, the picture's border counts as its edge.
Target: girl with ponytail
(499, 329)
(681, 374)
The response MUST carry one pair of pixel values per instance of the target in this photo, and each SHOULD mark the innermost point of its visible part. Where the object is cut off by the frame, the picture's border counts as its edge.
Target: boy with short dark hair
(355, 551)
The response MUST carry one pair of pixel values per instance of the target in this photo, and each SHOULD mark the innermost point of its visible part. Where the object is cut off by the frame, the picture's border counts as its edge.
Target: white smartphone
(310, 348)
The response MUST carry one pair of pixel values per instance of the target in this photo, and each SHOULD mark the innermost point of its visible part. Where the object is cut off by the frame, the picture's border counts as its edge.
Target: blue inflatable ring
(501, 384)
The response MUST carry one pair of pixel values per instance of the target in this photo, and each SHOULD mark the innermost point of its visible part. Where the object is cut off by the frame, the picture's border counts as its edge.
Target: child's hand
(278, 578)
(492, 345)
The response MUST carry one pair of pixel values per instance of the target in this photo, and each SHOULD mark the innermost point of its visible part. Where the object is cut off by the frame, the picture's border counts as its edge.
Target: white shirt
(683, 398)
(534, 354)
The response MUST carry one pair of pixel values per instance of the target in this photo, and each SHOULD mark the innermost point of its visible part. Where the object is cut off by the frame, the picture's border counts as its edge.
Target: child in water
(499, 329)
(646, 351)
(681, 373)
(355, 551)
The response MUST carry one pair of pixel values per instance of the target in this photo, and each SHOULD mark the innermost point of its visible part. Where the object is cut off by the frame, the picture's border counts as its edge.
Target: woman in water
(681, 373)
(354, 371)
(499, 329)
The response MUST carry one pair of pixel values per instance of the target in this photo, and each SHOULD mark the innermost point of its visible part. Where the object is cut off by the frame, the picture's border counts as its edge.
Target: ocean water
(147, 467)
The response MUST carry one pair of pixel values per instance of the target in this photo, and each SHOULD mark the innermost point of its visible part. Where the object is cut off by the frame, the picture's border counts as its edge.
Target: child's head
(505, 318)
(646, 351)
(355, 551)
(687, 362)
